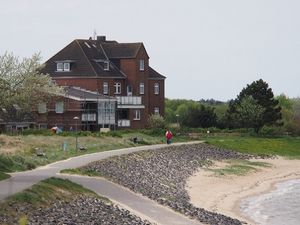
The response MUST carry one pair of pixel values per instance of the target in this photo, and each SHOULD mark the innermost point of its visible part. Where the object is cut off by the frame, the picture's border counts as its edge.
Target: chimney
(101, 38)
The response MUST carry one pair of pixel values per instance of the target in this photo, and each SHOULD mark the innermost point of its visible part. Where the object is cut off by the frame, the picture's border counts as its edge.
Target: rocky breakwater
(82, 210)
(162, 174)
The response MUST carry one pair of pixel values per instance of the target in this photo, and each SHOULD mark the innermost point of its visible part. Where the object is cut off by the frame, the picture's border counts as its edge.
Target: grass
(288, 147)
(42, 195)
(239, 167)
(4, 176)
(80, 171)
(18, 153)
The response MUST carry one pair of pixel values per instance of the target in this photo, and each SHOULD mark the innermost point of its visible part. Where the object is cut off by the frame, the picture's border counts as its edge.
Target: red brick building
(119, 71)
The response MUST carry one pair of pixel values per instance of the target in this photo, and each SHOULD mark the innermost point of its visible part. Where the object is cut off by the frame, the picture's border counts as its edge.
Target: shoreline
(228, 191)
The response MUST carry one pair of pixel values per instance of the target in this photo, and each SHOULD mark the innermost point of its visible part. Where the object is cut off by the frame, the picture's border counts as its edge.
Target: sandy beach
(223, 194)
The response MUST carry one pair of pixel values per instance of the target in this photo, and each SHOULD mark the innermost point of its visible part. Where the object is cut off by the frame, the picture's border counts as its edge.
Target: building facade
(110, 69)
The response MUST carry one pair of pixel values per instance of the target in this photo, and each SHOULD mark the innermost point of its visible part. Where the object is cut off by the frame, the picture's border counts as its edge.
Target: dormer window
(106, 65)
(63, 66)
(103, 64)
(59, 67)
(66, 66)
(142, 64)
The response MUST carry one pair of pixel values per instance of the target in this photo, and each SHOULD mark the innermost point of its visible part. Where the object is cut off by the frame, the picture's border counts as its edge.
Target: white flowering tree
(21, 83)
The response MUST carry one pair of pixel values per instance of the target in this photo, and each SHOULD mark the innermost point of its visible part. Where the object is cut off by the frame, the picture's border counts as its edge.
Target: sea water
(278, 207)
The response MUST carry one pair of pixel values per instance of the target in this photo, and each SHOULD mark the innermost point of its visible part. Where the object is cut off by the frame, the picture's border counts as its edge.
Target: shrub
(155, 122)
(45, 132)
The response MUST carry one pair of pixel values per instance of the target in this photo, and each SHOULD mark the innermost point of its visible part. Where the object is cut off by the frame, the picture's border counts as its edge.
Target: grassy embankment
(18, 153)
(42, 195)
(288, 147)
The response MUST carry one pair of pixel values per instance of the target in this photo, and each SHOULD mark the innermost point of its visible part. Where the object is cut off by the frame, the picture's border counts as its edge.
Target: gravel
(81, 210)
(161, 175)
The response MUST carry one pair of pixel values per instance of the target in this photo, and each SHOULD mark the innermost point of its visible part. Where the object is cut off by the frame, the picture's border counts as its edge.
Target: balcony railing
(123, 123)
(129, 100)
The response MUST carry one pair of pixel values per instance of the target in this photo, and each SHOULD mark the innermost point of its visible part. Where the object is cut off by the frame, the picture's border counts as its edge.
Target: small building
(118, 72)
(77, 109)
(14, 120)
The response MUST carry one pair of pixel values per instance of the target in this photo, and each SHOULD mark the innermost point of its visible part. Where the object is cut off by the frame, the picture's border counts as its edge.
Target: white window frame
(142, 88)
(63, 67)
(88, 117)
(142, 64)
(137, 114)
(66, 66)
(59, 66)
(117, 86)
(42, 107)
(59, 107)
(156, 88)
(105, 88)
(156, 110)
(106, 65)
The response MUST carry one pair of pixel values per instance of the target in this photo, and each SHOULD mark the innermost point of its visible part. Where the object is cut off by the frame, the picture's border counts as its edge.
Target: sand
(223, 194)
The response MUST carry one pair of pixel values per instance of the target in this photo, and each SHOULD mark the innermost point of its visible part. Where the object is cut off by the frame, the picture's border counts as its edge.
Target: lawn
(285, 146)
(18, 153)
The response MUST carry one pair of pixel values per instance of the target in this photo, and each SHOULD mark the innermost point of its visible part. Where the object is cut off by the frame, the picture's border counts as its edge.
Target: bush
(156, 122)
(44, 132)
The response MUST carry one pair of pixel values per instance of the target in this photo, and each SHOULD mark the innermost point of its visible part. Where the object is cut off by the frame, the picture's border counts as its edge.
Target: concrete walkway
(136, 203)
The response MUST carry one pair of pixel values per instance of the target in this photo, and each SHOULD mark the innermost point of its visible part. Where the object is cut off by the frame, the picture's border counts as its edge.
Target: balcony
(127, 102)
(123, 123)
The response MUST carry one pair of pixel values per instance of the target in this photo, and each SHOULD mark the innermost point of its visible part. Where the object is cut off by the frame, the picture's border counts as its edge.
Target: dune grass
(239, 167)
(42, 195)
(18, 153)
(288, 147)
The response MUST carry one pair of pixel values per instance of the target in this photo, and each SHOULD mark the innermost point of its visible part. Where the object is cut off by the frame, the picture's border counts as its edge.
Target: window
(106, 65)
(117, 88)
(105, 88)
(59, 107)
(129, 90)
(88, 117)
(137, 115)
(142, 65)
(156, 88)
(63, 66)
(42, 107)
(142, 88)
(60, 67)
(156, 110)
(66, 66)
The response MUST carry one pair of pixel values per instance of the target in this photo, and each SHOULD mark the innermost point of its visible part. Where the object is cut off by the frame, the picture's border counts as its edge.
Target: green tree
(262, 100)
(22, 84)
(250, 113)
(197, 115)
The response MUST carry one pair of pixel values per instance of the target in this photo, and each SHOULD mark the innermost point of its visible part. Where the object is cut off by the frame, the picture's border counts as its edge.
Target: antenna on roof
(94, 34)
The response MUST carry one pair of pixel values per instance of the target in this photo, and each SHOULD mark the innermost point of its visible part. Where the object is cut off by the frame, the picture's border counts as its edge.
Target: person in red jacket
(169, 136)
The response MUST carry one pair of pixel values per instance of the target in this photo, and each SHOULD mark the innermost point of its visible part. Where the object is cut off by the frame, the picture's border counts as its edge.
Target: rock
(162, 174)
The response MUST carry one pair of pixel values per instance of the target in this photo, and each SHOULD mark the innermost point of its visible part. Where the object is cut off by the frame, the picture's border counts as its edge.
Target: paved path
(140, 205)
(136, 203)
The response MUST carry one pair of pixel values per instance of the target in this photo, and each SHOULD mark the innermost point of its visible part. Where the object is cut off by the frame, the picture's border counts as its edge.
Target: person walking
(169, 136)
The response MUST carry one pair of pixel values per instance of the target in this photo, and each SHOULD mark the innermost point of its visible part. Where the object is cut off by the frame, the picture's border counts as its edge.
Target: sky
(206, 48)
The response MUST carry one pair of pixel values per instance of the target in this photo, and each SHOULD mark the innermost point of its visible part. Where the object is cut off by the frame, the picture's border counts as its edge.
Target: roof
(79, 94)
(153, 74)
(88, 58)
(122, 50)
